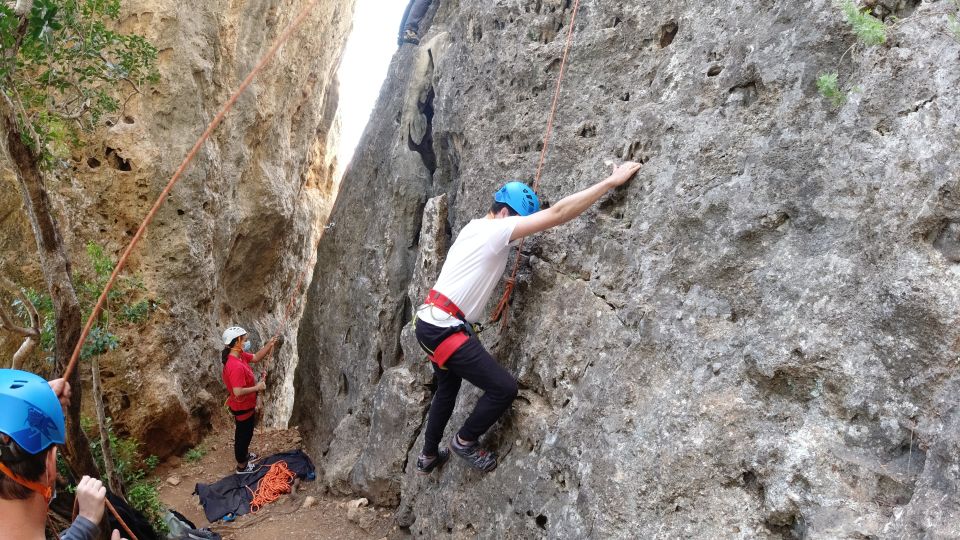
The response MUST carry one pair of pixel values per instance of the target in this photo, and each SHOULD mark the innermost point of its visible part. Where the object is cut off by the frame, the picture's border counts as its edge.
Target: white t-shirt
(474, 265)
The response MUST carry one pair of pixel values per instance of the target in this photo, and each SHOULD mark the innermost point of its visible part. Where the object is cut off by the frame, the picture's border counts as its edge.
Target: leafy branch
(63, 66)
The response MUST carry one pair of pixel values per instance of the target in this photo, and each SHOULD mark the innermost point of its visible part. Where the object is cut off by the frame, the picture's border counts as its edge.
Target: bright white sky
(365, 61)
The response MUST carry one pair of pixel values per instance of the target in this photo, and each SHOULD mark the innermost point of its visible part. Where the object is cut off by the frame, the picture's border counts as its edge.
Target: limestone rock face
(808, 250)
(233, 240)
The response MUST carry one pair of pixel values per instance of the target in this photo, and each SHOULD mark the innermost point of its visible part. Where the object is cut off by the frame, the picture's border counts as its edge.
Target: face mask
(246, 346)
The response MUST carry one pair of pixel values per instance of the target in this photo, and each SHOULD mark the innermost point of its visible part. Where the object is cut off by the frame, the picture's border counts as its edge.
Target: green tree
(62, 68)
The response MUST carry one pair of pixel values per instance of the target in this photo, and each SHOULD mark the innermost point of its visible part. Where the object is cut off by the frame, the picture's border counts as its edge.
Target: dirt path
(285, 518)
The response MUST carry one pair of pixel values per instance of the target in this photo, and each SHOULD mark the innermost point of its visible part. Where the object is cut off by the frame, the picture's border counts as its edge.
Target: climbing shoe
(251, 466)
(252, 457)
(477, 457)
(409, 36)
(426, 465)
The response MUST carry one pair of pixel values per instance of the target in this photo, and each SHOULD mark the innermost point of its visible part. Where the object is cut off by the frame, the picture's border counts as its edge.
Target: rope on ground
(503, 307)
(281, 39)
(274, 484)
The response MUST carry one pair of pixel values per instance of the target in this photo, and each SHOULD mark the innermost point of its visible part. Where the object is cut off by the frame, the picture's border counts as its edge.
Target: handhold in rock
(716, 367)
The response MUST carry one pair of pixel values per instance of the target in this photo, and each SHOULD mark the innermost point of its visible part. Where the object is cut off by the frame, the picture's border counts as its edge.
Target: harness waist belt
(454, 341)
(440, 301)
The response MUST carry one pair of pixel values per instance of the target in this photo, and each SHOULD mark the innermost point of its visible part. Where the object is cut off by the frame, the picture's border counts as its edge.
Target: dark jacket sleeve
(81, 529)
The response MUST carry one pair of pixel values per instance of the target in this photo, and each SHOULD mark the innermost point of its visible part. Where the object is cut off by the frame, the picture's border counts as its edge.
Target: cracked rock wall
(231, 242)
(755, 338)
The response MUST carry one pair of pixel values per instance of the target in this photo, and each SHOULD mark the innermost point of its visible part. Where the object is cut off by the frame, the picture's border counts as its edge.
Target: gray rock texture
(755, 338)
(232, 240)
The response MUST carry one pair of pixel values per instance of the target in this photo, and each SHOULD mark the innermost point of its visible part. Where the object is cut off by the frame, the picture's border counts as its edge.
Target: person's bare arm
(266, 349)
(572, 206)
(250, 389)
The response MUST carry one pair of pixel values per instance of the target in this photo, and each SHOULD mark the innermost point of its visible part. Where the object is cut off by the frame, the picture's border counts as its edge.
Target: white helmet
(232, 333)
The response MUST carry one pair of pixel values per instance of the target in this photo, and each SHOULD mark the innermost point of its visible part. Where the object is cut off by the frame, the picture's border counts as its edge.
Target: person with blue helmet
(444, 322)
(31, 427)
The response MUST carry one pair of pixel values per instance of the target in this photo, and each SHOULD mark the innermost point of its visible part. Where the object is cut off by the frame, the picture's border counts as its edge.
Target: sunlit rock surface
(233, 239)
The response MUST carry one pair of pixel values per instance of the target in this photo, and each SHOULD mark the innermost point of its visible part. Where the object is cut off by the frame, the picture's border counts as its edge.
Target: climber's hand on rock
(622, 173)
(261, 386)
(90, 496)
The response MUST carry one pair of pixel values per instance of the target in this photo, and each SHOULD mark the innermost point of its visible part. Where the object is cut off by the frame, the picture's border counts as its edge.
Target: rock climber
(31, 427)
(242, 387)
(444, 322)
(412, 17)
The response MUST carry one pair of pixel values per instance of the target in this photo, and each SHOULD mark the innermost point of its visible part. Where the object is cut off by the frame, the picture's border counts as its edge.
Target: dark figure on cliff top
(31, 427)
(474, 264)
(412, 17)
(242, 387)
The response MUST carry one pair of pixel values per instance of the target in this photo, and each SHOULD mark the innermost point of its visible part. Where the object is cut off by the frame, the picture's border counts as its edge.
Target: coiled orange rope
(276, 483)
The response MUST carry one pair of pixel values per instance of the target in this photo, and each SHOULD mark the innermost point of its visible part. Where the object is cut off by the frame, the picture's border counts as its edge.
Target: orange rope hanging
(274, 484)
(503, 307)
(178, 173)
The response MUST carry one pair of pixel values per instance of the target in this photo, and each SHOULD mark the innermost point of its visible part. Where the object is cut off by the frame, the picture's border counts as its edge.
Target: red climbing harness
(454, 341)
(438, 300)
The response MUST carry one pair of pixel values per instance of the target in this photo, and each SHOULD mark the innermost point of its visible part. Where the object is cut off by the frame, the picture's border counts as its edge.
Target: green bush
(195, 454)
(138, 312)
(119, 305)
(132, 468)
(868, 28)
(828, 88)
(144, 496)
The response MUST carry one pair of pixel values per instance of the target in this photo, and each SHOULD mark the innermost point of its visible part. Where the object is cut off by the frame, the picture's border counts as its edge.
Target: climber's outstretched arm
(572, 206)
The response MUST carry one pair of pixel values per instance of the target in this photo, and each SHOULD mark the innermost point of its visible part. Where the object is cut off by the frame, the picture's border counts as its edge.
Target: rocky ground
(291, 517)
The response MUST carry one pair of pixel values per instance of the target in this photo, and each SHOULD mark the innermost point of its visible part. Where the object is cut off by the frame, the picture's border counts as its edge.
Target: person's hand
(116, 535)
(622, 173)
(61, 388)
(90, 496)
(261, 386)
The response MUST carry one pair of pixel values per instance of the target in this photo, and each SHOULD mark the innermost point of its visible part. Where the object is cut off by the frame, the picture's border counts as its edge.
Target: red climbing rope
(503, 306)
(274, 484)
(281, 39)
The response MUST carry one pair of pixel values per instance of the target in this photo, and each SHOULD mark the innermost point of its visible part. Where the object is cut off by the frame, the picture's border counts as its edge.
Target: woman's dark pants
(242, 437)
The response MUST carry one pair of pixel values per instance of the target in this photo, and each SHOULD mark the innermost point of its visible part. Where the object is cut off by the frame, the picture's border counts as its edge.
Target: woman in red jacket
(242, 387)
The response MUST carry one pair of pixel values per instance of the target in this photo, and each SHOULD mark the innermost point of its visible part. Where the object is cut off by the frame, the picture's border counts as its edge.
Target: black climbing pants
(473, 363)
(416, 9)
(242, 437)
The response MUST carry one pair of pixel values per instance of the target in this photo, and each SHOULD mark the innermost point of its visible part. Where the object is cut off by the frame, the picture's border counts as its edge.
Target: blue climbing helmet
(518, 196)
(32, 415)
